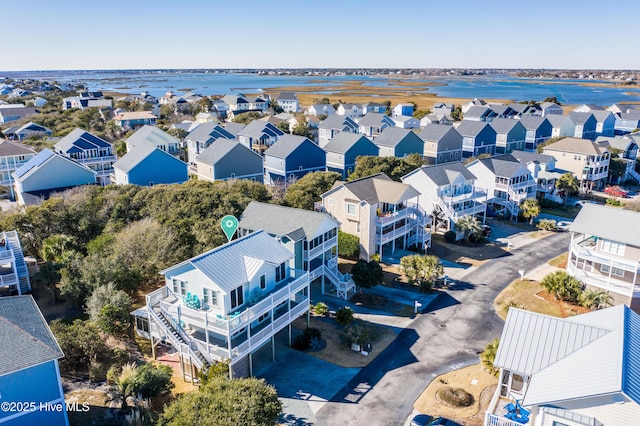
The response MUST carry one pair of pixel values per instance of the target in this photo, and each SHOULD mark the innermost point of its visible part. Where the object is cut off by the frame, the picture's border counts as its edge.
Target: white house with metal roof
(448, 188)
(226, 303)
(605, 252)
(155, 136)
(384, 214)
(30, 384)
(90, 150)
(578, 371)
(311, 236)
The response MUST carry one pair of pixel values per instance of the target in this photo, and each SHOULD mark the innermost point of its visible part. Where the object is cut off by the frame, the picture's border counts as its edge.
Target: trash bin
(368, 347)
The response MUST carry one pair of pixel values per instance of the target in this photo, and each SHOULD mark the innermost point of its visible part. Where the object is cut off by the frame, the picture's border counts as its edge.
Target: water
(157, 83)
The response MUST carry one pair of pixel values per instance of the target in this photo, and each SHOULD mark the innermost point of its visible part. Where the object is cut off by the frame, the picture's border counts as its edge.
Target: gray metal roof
(576, 145)
(502, 165)
(343, 141)
(445, 174)
(375, 119)
(601, 115)
(592, 354)
(618, 142)
(580, 117)
(220, 148)
(234, 128)
(283, 221)
(8, 148)
(25, 337)
(338, 122)
(479, 111)
(377, 188)
(504, 125)
(286, 145)
(208, 131)
(608, 222)
(532, 122)
(226, 265)
(556, 120)
(287, 96)
(392, 136)
(152, 134)
(525, 157)
(131, 159)
(258, 129)
(472, 128)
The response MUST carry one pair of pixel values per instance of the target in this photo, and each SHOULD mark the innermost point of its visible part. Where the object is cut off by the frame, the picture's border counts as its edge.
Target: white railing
(8, 279)
(607, 259)
(178, 345)
(98, 160)
(156, 296)
(318, 250)
(6, 254)
(394, 216)
(603, 282)
(494, 420)
(471, 195)
(382, 238)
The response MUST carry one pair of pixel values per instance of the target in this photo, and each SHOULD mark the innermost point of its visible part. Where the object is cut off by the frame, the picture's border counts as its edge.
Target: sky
(152, 34)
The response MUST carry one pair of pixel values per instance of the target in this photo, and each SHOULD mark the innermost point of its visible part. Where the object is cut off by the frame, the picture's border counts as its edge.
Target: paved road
(449, 337)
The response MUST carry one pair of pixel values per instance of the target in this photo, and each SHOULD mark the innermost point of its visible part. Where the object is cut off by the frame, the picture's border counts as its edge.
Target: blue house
(477, 138)
(228, 159)
(343, 150)
(29, 372)
(510, 135)
(397, 142)
(539, 129)
(292, 157)
(148, 165)
(46, 173)
(627, 123)
(259, 135)
(584, 125)
(402, 109)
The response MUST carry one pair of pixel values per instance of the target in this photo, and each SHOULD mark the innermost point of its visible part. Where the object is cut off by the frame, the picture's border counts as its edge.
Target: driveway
(304, 383)
(451, 335)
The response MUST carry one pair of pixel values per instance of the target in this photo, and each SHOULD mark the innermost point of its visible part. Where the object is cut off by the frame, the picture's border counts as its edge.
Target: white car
(581, 203)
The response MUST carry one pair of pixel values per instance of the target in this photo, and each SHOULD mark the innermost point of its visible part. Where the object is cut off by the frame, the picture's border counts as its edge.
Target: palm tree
(469, 225)
(437, 216)
(567, 183)
(530, 209)
(595, 299)
(489, 355)
(431, 267)
(562, 285)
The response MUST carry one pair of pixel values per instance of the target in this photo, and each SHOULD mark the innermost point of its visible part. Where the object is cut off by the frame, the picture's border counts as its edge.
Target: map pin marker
(229, 225)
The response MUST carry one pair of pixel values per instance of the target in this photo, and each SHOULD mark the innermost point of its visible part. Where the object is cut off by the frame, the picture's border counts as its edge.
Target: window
(517, 382)
(613, 247)
(263, 317)
(210, 297)
(263, 281)
(142, 324)
(351, 209)
(237, 297)
(280, 272)
(180, 287)
(614, 271)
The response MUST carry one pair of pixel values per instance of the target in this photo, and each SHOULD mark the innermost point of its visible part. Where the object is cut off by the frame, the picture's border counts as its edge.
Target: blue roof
(82, 139)
(36, 161)
(631, 356)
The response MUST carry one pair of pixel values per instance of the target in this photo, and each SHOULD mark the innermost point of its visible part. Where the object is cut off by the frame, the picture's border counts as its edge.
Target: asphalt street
(450, 335)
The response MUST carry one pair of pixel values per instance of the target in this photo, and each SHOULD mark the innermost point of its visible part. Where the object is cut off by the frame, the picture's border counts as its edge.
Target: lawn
(474, 380)
(569, 212)
(529, 295)
(559, 261)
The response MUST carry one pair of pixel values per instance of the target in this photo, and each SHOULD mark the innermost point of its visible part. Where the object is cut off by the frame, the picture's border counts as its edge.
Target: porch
(505, 408)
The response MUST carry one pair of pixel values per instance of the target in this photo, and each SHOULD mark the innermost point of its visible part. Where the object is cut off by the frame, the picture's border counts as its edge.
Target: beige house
(384, 214)
(587, 160)
(605, 252)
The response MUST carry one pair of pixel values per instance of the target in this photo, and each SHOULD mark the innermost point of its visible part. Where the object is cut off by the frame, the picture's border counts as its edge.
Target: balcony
(11, 167)
(96, 160)
(321, 248)
(460, 198)
(411, 211)
(596, 279)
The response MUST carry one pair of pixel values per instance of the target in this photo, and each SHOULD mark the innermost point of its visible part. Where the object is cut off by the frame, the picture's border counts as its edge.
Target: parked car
(581, 203)
(426, 420)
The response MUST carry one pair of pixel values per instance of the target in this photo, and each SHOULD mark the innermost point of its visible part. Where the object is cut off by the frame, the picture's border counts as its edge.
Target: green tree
(204, 104)
(530, 209)
(151, 380)
(567, 183)
(284, 126)
(421, 268)
(246, 117)
(275, 106)
(617, 165)
(546, 224)
(238, 402)
(421, 113)
(309, 188)
(109, 308)
(348, 245)
(81, 344)
(562, 286)
(367, 274)
(541, 146)
(302, 130)
(488, 356)
(393, 167)
(457, 113)
(469, 225)
(595, 299)
(551, 99)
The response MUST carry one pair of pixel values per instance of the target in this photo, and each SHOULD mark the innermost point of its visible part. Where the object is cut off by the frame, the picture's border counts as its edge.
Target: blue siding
(411, 144)
(308, 156)
(38, 384)
(159, 167)
(361, 148)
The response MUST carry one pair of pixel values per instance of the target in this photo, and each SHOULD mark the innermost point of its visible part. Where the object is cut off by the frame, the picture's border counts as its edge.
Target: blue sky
(116, 34)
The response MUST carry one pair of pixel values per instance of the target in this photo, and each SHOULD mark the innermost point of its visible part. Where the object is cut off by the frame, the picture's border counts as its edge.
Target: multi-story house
(147, 165)
(480, 113)
(352, 111)
(523, 110)
(321, 109)
(334, 124)
(477, 138)
(288, 101)
(29, 373)
(396, 142)
(343, 150)
(291, 158)
(539, 129)
(13, 155)
(605, 122)
(155, 136)
(507, 183)
(225, 304)
(587, 160)
(551, 108)
(372, 124)
(227, 159)
(584, 124)
(406, 122)
(449, 189)
(14, 276)
(401, 109)
(625, 123)
(370, 107)
(627, 147)
(90, 150)
(605, 252)
(575, 371)
(543, 170)
(13, 114)
(312, 237)
(238, 104)
(384, 214)
(202, 136)
(134, 120)
(560, 126)
(442, 144)
(29, 130)
(442, 109)
(510, 135)
(259, 135)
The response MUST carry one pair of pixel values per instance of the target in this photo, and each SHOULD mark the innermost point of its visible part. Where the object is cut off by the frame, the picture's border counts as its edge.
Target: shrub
(512, 304)
(488, 356)
(344, 315)
(549, 204)
(546, 224)
(375, 257)
(359, 333)
(562, 285)
(321, 309)
(614, 203)
(595, 299)
(305, 340)
(348, 245)
(456, 397)
(425, 286)
(450, 236)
